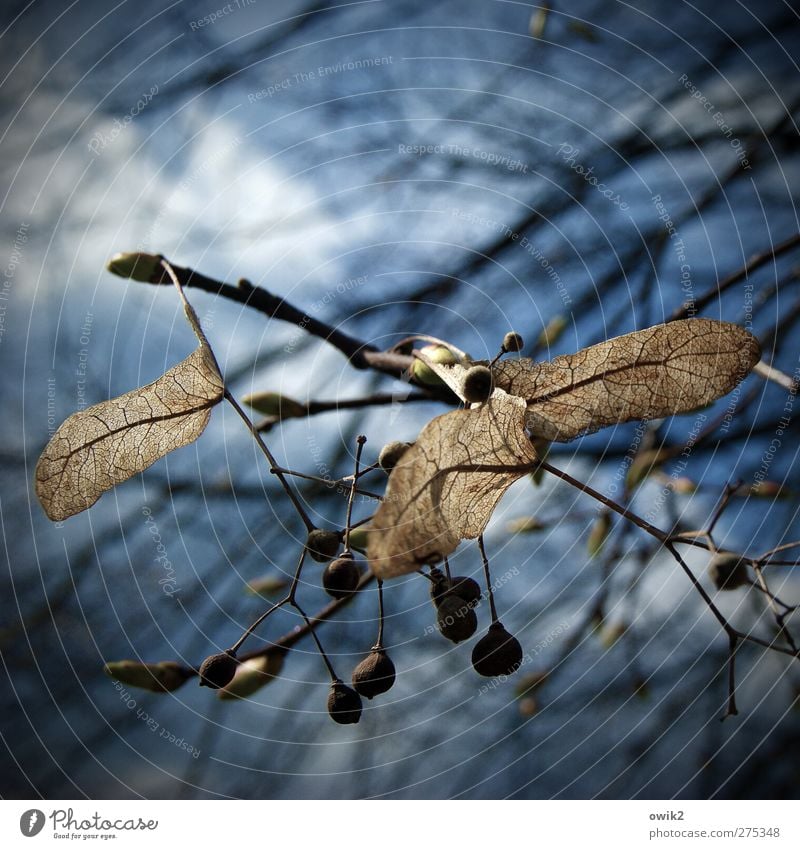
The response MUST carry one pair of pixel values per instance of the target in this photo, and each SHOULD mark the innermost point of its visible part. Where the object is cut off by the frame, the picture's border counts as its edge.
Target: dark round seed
(374, 675)
(512, 342)
(322, 545)
(341, 577)
(478, 384)
(455, 619)
(344, 704)
(497, 652)
(217, 670)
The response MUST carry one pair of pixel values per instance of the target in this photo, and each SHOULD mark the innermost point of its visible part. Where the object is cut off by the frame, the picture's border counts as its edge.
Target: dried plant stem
(313, 631)
(360, 442)
(754, 263)
(379, 640)
(488, 577)
(274, 467)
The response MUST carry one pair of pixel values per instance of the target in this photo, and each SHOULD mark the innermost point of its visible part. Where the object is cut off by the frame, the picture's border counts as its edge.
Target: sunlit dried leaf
(432, 501)
(439, 495)
(104, 445)
(663, 370)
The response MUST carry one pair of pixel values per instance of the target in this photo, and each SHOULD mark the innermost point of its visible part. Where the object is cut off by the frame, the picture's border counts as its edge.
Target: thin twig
(313, 631)
(360, 441)
(733, 645)
(488, 577)
(274, 467)
(379, 640)
(750, 266)
(379, 399)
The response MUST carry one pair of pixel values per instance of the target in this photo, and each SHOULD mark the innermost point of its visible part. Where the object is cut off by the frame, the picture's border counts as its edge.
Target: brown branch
(314, 408)
(755, 262)
(295, 635)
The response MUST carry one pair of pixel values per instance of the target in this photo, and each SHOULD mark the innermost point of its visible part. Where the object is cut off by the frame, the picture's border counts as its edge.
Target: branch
(314, 408)
(361, 354)
(754, 263)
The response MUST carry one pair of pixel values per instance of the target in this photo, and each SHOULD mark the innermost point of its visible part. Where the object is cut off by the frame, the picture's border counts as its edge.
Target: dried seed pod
(341, 576)
(466, 588)
(391, 453)
(497, 653)
(217, 670)
(478, 384)
(512, 342)
(344, 704)
(460, 586)
(440, 584)
(728, 570)
(374, 675)
(455, 619)
(322, 545)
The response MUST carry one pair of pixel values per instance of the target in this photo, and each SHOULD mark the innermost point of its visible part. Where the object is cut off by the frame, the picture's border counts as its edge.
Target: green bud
(542, 449)
(359, 537)
(276, 405)
(552, 332)
(768, 489)
(531, 683)
(525, 525)
(440, 354)
(251, 675)
(268, 586)
(157, 677)
(610, 634)
(584, 31)
(599, 534)
(146, 268)
(538, 21)
(683, 486)
(644, 465)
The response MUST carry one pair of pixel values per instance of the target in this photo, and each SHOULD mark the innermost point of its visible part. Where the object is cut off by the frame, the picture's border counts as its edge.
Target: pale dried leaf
(97, 448)
(439, 495)
(663, 370)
